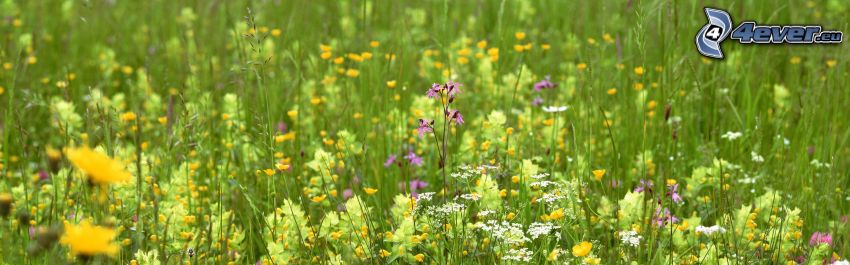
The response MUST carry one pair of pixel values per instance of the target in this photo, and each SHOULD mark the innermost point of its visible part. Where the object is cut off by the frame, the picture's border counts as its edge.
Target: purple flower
(456, 117)
(31, 232)
(417, 184)
(424, 127)
(663, 217)
(434, 91)
(674, 193)
(537, 101)
(281, 127)
(43, 176)
(414, 185)
(390, 161)
(644, 186)
(820, 238)
(347, 193)
(545, 83)
(453, 88)
(413, 159)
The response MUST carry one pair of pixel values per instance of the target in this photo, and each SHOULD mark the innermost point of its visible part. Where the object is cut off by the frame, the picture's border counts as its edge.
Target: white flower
(819, 164)
(425, 196)
(756, 157)
(509, 233)
(730, 135)
(522, 254)
(537, 229)
(470, 196)
(630, 238)
(543, 184)
(710, 230)
(540, 175)
(485, 213)
(554, 109)
(550, 198)
(841, 262)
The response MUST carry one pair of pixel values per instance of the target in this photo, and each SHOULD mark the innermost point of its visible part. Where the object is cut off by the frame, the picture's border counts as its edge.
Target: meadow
(418, 132)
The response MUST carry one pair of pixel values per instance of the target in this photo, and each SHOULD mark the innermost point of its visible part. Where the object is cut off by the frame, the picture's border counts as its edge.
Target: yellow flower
(100, 168)
(128, 116)
(519, 35)
(582, 249)
(598, 174)
(831, 63)
(591, 261)
(553, 256)
(370, 191)
(319, 199)
(352, 72)
(639, 70)
(391, 84)
(612, 91)
(581, 66)
(795, 60)
(419, 257)
(556, 214)
(89, 240)
(384, 253)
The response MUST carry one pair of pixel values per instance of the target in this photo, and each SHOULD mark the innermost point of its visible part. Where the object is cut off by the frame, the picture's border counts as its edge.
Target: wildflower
(630, 238)
(553, 255)
(89, 240)
(673, 192)
(434, 91)
(556, 214)
(450, 89)
(663, 217)
(538, 229)
(519, 35)
(384, 253)
(645, 185)
(545, 83)
(100, 168)
(536, 101)
(319, 199)
(425, 127)
(347, 193)
(390, 161)
(522, 254)
(128, 116)
(639, 70)
(370, 191)
(582, 249)
(729, 135)
(419, 257)
(820, 238)
(709, 230)
(554, 109)
(413, 159)
(456, 117)
(598, 174)
(391, 83)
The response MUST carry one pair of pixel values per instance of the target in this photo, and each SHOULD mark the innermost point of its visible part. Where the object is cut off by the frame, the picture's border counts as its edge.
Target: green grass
(210, 84)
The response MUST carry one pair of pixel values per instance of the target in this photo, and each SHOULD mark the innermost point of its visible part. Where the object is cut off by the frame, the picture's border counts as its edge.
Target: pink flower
(820, 238)
(424, 127)
(390, 161)
(456, 117)
(545, 83)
